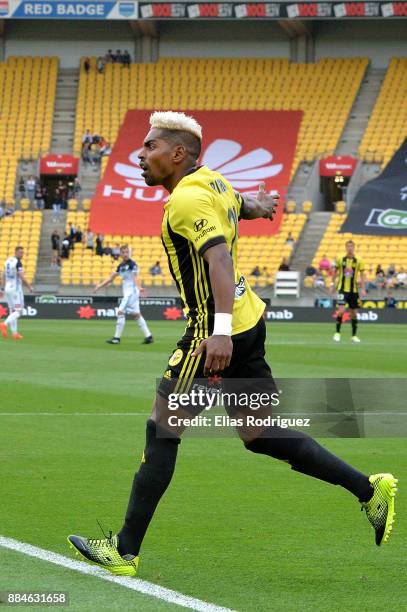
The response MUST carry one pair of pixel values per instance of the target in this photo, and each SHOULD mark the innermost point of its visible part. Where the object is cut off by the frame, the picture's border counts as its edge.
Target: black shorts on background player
(351, 299)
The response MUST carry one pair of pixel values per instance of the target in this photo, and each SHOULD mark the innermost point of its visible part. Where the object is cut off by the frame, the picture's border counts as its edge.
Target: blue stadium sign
(63, 9)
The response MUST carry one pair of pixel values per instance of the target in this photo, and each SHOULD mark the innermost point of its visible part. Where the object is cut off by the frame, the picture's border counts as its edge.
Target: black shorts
(248, 362)
(351, 299)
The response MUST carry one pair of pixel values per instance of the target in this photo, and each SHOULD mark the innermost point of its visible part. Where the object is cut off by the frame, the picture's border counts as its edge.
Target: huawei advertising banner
(247, 147)
(380, 206)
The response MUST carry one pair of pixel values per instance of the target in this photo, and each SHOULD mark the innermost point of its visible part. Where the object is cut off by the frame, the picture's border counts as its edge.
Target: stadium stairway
(48, 278)
(309, 239)
(65, 107)
(89, 176)
(361, 111)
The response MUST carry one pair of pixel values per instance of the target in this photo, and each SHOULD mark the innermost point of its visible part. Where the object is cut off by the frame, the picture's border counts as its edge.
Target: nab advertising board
(245, 147)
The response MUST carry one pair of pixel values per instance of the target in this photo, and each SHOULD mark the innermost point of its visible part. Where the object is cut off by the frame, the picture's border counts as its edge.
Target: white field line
(135, 584)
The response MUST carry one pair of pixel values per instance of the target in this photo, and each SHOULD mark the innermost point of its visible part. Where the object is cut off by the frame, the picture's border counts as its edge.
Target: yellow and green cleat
(105, 554)
(380, 508)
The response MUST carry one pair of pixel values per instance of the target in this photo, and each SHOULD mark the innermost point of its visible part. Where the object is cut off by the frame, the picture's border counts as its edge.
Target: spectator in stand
(78, 235)
(126, 59)
(86, 65)
(55, 247)
(94, 154)
(56, 206)
(155, 270)
(109, 57)
(324, 264)
(65, 247)
(21, 187)
(107, 250)
(401, 278)
(63, 191)
(391, 275)
(104, 147)
(2, 210)
(100, 64)
(99, 244)
(30, 187)
(390, 300)
(319, 281)
(116, 251)
(72, 234)
(117, 57)
(310, 271)
(265, 272)
(284, 267)
(380, 280)
(89, 239)
(379, 269)
(255, 272)
(290, 239)
(39, 199)
(87, 137)
(86, 153)
(9, 210)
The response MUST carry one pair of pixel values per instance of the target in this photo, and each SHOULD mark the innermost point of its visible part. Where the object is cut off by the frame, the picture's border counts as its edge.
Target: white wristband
(223, 324)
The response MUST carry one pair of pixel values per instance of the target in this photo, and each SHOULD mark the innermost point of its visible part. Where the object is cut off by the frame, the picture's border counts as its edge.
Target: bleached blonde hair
(170, 120)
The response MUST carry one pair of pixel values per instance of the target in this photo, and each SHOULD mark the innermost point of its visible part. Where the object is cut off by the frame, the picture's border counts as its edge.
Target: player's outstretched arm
(260, 206)
(106, 282)
(219, 346)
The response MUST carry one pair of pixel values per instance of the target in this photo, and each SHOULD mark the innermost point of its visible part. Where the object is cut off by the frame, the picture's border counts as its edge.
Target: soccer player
(349, 269)
(13, 279)
(225, 334)
(129, 305)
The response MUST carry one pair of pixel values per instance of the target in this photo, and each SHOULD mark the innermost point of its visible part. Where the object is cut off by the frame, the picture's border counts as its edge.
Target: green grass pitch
(234, 529)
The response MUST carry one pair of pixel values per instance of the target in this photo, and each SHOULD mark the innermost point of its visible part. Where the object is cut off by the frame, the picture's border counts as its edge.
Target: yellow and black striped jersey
(348, 269)
(203, 211)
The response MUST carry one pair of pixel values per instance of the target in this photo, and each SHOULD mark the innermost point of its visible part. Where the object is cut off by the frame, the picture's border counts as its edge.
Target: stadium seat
(307, 207)
(386, 129)
(340, 207)
(27, 95)
(291, 206)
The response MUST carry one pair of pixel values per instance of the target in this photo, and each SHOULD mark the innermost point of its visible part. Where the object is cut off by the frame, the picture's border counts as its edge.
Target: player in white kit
(13, 278)
(129, 305)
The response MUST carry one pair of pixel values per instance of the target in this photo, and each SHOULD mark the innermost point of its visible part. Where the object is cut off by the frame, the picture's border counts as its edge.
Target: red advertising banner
(245, 146)
(345, 164)
(59, 164)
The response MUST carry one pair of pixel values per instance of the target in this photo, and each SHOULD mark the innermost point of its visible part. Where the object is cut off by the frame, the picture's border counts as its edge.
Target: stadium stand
(85, 267)
(386, 129)
(324, 90)
(27, 94)
(374, 250)
(21, 229)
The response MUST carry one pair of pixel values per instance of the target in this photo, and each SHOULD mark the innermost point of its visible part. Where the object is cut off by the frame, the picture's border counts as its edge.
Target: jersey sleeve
(361, 265)
(19, 265)
(193, 216)
(338, 263)
(134, 267)
(118, 269)
(239, 204)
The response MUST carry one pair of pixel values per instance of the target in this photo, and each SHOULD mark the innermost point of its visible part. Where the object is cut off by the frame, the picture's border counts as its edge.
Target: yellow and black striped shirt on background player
(203, 211)
(348, 270)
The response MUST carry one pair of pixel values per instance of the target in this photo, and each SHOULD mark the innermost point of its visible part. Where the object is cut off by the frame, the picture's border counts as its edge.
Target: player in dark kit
(225, 334)
(349, 270)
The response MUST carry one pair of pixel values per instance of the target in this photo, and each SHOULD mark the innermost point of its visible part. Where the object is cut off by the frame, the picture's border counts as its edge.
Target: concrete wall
(380, 40)
(233, 39)
(69, 40)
